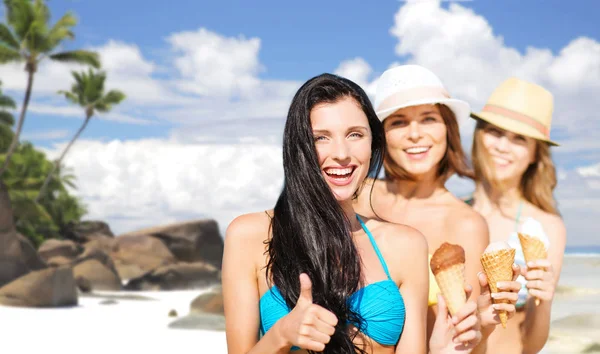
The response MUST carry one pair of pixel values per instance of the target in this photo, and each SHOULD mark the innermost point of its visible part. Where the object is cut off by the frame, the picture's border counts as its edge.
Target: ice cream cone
(533, 249)
(497, 264)
(448, 266)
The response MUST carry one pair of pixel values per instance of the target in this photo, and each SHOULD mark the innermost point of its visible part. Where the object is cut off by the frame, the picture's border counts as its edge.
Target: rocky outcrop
(136, 255)
(52, 287)
(87, 231)
(17, 254)
(97, 276)
(177, 276)
(209, 302)
(179, 256)
(59, 248)
(193, 241)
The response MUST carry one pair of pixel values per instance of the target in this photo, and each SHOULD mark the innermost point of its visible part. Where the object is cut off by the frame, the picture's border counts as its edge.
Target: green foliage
(28, 35)
(88, 92)
(48, 218)
(7, 120)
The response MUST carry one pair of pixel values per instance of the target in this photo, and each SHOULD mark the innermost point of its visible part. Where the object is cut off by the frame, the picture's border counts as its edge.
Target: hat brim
(512, 125)
(461, 109)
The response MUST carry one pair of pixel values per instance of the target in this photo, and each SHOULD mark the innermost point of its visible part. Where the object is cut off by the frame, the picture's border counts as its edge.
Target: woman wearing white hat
(423, 150)
(515, 177)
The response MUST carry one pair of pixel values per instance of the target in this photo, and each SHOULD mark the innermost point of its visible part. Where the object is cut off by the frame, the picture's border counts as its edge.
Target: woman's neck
(348, 209)
(422, 187)
(503, 195)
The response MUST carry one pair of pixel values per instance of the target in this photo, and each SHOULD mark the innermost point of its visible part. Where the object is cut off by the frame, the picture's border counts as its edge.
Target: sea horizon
(583, 250)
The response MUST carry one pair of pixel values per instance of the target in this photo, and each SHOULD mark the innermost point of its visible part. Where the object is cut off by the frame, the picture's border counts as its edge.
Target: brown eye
(398, 123)
(493, 131)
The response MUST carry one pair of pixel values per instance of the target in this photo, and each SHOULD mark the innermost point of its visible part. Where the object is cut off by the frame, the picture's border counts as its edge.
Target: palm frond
(79, 57)
(7, 118)
(112, 98)
(60, 31)
(8, 55)
(70, 96)
(7, 38)
(41, 13)
(20, 16)
(7, 102)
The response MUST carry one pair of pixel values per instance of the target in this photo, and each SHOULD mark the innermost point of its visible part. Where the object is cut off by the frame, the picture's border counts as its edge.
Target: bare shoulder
(249, 229)
(397, 238)
(462, 219)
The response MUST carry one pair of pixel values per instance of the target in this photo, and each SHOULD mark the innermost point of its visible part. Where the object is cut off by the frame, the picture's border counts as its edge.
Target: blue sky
(209, 82)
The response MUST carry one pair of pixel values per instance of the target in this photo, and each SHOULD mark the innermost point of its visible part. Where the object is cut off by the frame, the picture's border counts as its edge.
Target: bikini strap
(372, 239)
(519, 210)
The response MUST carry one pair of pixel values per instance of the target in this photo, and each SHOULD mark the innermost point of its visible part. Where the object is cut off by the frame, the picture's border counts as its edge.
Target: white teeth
(501, 161)
(417, 150)
(339, 171)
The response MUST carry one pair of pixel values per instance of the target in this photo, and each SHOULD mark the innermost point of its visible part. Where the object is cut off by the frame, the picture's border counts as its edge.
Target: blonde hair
(454, 160)
(538, 181)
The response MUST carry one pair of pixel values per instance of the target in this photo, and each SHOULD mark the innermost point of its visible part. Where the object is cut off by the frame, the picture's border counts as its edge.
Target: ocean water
(583, 251)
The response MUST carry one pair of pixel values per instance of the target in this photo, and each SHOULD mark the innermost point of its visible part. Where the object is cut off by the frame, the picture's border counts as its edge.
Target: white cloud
(46, 135)
(359, 71)
(141, 183)
(214, 65)
(75, 111)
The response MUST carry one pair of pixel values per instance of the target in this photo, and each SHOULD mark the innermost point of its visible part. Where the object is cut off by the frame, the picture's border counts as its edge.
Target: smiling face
(508, 154)
(343, 144)
(416, 139)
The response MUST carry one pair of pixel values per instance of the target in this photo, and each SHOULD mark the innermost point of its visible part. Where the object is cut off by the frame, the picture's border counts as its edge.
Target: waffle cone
(451, 282)
(533, 248)
(498, 267)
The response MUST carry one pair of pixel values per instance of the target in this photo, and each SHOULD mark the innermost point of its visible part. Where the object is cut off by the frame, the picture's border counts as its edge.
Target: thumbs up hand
(308, 326)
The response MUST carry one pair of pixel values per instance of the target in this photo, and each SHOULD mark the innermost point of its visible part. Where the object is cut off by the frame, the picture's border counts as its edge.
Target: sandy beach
(127, 322)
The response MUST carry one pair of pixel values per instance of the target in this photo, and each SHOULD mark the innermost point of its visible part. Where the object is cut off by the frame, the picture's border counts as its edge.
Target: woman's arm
(471, 232)
(410, 266)
(240, 290)
(542, 277)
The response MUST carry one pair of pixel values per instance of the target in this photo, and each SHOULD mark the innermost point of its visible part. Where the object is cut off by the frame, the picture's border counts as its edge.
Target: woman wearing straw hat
(515, 177)
(420, 120)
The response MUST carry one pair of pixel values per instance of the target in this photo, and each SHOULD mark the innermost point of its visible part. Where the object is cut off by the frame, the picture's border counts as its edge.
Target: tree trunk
(62, 156)
(15, 141)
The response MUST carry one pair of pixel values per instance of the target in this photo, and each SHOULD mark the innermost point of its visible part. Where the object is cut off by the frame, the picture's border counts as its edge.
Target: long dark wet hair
(310, 232)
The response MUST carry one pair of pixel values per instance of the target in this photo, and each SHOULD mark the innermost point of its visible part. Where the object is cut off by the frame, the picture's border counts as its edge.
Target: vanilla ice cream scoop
(533, 228)
(497, 246)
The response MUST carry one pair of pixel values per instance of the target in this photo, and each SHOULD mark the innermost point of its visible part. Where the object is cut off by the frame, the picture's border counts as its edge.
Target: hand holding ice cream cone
(533, 249)
(497, 261)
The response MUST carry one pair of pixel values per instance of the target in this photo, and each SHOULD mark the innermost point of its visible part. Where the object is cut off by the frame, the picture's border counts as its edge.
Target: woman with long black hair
(311, 274)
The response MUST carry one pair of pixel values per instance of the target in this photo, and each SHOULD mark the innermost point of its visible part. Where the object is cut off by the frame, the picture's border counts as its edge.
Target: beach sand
(575, 324)
(138, 322)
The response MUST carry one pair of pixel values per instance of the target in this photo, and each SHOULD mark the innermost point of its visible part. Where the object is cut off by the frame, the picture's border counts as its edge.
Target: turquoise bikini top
(380, 305)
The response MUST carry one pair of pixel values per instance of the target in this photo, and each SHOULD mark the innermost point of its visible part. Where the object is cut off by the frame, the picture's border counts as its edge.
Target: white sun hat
(413, 85)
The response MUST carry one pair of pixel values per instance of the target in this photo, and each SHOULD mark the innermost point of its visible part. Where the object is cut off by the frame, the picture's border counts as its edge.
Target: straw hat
(520, 107)
(413, 85)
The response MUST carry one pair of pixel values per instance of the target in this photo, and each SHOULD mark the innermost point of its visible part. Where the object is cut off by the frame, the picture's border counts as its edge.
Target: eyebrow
(356, 127)
(398, 115)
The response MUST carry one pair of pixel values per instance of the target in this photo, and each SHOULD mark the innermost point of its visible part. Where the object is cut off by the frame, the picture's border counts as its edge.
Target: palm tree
(6, 120)
(29, 38)
(87, 92)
